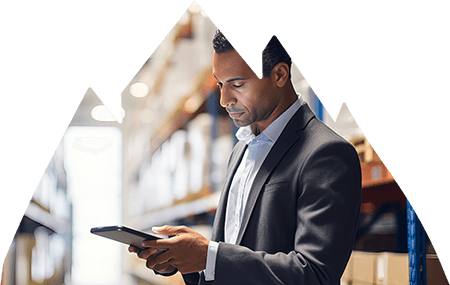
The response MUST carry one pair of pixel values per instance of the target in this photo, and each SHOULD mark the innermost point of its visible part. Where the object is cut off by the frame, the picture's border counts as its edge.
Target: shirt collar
(273, 131)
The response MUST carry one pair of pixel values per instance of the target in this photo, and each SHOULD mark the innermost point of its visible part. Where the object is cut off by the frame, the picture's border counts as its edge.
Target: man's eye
(238, 85)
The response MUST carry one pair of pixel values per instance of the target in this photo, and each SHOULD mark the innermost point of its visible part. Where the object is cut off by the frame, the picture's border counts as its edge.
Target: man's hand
(149, 254)
(186, 250)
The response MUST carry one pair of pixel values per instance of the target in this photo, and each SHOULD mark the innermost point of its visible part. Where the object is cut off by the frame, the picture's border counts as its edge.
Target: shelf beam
(52, 222)
(167, 215)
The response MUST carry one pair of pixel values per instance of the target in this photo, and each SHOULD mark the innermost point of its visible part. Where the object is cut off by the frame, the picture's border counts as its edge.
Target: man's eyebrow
(236, 78)
(230, 80)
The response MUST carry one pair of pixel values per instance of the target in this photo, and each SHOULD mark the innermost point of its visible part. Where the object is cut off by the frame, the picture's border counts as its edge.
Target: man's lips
(235, 115)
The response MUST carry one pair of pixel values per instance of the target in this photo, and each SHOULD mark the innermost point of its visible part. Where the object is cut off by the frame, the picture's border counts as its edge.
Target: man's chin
(240, 123)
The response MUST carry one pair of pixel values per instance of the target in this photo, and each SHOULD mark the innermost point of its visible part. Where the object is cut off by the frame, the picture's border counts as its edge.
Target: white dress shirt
(256, 152)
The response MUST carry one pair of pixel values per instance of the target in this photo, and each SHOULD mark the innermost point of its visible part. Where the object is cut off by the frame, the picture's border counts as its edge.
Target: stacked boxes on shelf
(374, 172)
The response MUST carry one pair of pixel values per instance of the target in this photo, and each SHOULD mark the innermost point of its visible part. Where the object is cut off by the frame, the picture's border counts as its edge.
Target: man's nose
(226, 97)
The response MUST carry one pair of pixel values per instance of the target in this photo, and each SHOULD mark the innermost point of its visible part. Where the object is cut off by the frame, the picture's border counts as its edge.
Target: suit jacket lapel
(219, 220)
(287, 138)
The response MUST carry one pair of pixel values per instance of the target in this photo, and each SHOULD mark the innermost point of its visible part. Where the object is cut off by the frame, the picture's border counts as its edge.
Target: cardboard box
(376, 268)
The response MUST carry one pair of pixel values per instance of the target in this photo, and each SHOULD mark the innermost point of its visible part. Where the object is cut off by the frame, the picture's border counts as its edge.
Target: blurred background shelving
(41, 252)
(164, 165)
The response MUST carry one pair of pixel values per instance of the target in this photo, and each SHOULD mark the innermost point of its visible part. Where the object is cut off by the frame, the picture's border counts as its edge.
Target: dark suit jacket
(301, 216)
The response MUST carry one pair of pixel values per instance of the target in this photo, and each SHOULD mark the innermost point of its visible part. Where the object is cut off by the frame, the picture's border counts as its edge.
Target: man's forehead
(230, 64)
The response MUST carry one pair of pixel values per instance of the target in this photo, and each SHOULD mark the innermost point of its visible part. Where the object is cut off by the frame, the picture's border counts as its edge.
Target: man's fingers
(163, 257)
(165, 230)
(153, 264)
(132, 249)
(159, 243)
(146, 253)
(164, 268)
(170, 230)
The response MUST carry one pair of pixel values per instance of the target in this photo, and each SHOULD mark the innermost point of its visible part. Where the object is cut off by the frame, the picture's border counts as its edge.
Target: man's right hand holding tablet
(149, 254)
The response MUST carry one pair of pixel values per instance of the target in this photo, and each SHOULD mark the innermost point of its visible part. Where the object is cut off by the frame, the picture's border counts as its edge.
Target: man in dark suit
(290, 203)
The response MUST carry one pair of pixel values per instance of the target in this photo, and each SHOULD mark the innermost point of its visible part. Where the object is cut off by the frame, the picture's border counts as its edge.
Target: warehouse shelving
(41, 250)
(381, 196)
(383, 228)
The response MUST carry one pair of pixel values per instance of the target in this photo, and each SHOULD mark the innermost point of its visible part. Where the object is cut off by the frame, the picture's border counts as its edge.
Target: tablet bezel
(125, 235)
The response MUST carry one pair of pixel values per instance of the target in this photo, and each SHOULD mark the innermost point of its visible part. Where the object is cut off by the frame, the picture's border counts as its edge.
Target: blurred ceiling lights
(195, 9)
(139, 89)
(192, 104)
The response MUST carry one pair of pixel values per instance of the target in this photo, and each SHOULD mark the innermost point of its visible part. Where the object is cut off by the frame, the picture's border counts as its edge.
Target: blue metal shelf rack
(416, 248)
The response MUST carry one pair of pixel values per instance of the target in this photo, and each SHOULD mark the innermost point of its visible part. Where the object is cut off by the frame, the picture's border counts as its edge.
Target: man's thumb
(165, 230)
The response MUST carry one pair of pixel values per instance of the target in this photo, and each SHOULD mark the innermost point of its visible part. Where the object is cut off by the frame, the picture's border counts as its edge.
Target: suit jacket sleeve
(328, 203)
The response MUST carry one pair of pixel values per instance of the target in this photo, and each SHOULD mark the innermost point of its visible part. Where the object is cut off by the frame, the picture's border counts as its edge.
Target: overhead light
(139, 89)
(196, 9)
(102, 114)
(192, 104)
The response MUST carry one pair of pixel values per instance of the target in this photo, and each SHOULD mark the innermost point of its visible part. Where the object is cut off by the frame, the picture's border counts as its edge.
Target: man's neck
(255, 129)
(288, 98)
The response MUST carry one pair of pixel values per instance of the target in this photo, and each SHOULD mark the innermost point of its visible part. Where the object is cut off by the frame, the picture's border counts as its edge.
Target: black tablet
(126, 235)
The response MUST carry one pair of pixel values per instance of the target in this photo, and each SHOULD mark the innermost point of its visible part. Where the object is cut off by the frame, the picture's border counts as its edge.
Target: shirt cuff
(211, 261)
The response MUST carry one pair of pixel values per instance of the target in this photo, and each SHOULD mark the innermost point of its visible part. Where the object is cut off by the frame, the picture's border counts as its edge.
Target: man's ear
(280, 74)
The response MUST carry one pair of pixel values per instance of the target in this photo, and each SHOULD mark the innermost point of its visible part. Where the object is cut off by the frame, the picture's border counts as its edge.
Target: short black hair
(273, 53)
(220, 43)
